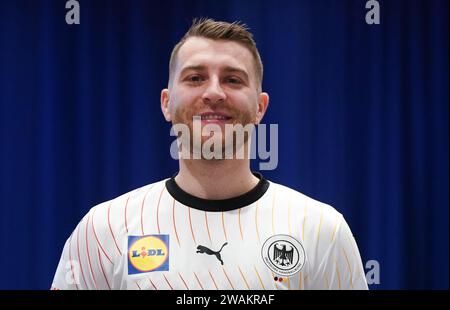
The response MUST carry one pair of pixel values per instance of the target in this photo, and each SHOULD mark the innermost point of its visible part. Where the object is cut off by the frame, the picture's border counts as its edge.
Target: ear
(165, 104)
(263, 103)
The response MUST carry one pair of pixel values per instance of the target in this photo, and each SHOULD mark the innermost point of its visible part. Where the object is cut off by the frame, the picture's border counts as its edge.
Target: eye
(194, 78)
(233, 80)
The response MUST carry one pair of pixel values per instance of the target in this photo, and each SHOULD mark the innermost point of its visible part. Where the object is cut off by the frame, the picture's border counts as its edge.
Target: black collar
(218, 205)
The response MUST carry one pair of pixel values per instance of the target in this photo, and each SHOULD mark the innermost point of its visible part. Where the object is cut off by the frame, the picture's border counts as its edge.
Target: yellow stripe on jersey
(305, 216)
(300, 280)
(226, 275)
(259, 278)
(223, 226)
(320, 226)
(243, 277)
(273, 212)
(289, 216)
(338, 274)
(349, 268)
(334, 230)
(239, 222)
(256, 220)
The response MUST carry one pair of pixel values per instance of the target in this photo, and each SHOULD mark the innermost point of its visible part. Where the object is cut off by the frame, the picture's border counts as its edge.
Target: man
(215, 225)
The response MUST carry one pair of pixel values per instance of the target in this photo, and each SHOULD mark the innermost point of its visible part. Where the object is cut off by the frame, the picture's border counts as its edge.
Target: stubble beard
(185, 116)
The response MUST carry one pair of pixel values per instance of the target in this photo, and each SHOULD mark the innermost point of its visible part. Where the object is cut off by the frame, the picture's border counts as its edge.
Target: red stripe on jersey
(246, 283)
(173, 220)
(240, 227)
(198, 281)
(157, 209)
(213, 280)
(142, 210)
(183, 281)
(223, 226)
(96, 238)
(70, 261)
(88, 255)
(125, 215)
(79, 260)
(110, 229)
(168, 282)
(228, 278)
(207, 227)
(151, 282)
(103, 271)
(190, 224)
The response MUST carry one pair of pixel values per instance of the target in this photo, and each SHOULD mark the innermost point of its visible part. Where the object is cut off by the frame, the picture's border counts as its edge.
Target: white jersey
(160, 237)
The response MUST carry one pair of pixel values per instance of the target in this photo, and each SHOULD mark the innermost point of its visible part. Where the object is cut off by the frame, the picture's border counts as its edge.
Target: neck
(216, 179)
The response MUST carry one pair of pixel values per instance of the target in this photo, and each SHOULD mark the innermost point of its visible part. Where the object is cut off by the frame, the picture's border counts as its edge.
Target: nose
(213, 93)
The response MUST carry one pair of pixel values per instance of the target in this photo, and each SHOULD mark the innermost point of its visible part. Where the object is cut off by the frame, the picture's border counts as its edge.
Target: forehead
(202, 51)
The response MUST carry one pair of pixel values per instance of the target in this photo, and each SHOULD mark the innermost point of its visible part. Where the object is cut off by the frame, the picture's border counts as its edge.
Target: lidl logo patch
(148, 253)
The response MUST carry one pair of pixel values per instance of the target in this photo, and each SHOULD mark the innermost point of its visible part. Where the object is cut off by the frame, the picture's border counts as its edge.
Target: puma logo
(203, 249)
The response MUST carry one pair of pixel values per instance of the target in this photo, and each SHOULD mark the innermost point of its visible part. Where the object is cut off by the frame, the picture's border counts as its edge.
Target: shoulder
(114, 210)
(108, 222)
(311, 209)
(131, 195)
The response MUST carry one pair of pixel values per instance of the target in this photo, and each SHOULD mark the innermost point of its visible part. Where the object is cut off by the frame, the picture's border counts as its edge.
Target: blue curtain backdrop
(362, 113)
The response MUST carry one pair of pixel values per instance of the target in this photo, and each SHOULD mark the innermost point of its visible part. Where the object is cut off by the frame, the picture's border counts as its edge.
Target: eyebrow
(236, 70)
(228, 69)
(193, 68)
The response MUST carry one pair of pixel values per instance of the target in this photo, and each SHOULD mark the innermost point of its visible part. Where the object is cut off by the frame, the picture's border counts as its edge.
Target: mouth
(214, 117)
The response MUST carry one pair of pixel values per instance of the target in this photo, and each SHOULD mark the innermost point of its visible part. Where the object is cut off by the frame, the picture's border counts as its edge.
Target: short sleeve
(341, 266)
(83, 265)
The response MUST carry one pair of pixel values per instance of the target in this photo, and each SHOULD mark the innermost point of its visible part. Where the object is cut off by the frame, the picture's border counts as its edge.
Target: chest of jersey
(185, 248)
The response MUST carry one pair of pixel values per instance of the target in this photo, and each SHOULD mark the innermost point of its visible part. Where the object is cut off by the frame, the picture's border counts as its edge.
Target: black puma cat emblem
(203, 249)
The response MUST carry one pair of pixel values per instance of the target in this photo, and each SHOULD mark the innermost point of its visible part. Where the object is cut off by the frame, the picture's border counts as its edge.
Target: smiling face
(216, 80)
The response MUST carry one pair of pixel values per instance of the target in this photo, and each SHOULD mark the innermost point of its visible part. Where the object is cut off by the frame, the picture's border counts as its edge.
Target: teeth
(207, 117)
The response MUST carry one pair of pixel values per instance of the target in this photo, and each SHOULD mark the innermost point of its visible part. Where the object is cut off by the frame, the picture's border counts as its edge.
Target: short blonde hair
(218, 30)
